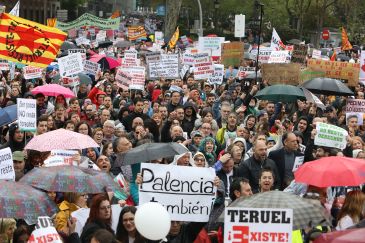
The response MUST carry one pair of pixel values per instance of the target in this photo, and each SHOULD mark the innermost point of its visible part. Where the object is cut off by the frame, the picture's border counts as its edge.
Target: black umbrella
(68, 45)
(149, 151)
(123, 44)
(327, 86)
(105, 44)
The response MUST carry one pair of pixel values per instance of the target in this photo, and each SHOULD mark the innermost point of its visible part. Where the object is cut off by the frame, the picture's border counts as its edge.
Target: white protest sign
(362, 67)
(278, 56)
(330, 136)
(203, 66)
(187, 193)
(4, 65)
(54, 161)
(188, 59)
(168, 67)
(67, 155)
(211, 45)
(71, 81)
(159, 38)
(217, 77)
(264, 56)
(82, 51)
(316, 54)
(83, 213)
(259, 225)
(82, 41)
(130, 58)
(12, 70)
(123, 78)
(45, 232)
(6, 165)
(355, 105)
(184, 70)
(32, 72)
(298, 162)
(27, 114)
(101, 35)
(239, 25)
(70, 65)
(138, 76)
(245, 71)
(91, 67)
(359, 116)
(153, 57)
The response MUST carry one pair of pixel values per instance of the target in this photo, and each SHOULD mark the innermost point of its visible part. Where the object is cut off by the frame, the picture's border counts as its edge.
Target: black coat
(278, 156)
(90, 228)
(222, 175)
(127, 121)
(251, 170)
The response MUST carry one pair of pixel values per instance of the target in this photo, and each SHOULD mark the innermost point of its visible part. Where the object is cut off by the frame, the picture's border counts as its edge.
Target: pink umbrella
(343, 236)
(61, 139)
(53, 90)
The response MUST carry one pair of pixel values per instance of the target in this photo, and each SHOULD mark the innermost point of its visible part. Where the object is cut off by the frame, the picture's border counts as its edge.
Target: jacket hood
(191, 105)
(200, 154)
(178, 156)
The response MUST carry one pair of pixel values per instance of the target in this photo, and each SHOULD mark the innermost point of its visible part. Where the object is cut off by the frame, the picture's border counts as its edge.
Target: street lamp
(216, 7)
(258, 6)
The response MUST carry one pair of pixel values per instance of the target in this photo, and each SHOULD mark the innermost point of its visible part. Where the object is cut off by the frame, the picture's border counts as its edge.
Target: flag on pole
(15, 10)
(346, 45)
(174, 38)
(51, 22)
(116, 14)
(136, 32)
(276, 43)
(28, 42)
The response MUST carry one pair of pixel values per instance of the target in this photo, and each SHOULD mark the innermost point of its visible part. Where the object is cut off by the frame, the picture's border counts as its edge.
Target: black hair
(122, 234)
(236, 186)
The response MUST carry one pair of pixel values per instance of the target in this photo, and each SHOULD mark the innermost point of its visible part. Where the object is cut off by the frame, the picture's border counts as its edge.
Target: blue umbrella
(8, 115)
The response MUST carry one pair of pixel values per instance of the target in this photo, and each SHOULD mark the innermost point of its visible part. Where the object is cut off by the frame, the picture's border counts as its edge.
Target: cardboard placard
(70, 65)
(299, 54)
(337, 70)
(187, 193)
(91, 67)
(6, 165)
(330, 136)
(281, 73)
(232, 54)
(355, 105)
(211, 45)
(27, 114)
(217, 77)
(308, 74)
(32, 72)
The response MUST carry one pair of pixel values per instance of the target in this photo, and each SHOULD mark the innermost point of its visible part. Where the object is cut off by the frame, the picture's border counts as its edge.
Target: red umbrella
(332, 171)
(105, 61)
(61, 139)
(343, 236)
(53, 90)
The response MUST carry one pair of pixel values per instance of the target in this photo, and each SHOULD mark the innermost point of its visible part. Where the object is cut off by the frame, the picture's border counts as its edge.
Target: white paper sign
(298, 162)
(54, 161)
(217, 77)
(355, 105)
(187, 193)
(278, 56)
(70, 65)
(168, 67)
(91, 67)
(239, 25)
(265, 53)
(258, 225)
(203, 66)
(130, 58)
(124, 79)
(6, 165)
(45, 232)
(159, 38)
(138, 76)
(188, 59)
(4, 65)
(211, 45)
(82, 41)
(330, 136)
(316, 54)
(153, 57)
(27, 114)
(67, 155)
(184, 70)
(82, 51)
(32, 72)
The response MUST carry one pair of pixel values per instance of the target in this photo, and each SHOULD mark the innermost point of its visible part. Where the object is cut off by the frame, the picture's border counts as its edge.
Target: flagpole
(258, 4)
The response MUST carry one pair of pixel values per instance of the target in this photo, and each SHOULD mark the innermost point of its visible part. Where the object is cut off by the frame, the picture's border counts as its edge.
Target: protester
(126, 229)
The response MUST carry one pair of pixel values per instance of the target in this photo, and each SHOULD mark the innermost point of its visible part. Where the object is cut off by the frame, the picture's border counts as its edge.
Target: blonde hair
(71, 197)
(5, 224)
(353, 206)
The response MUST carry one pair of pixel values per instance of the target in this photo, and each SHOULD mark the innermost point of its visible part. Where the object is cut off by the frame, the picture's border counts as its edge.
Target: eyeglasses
(199, 159)
(208, 128)
(105, 208)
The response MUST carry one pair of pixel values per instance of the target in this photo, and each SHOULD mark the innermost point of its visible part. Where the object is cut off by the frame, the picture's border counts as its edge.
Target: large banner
(187, 193)
(330, 136)
(338, 70)
(281, 73)
(211, 45)
(259, 225)
(89, 20)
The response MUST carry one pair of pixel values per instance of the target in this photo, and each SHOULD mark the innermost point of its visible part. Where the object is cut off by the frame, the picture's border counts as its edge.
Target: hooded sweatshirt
(12, 144)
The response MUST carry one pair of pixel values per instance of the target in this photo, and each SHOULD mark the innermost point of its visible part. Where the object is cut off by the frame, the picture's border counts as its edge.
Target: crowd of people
(251, 144)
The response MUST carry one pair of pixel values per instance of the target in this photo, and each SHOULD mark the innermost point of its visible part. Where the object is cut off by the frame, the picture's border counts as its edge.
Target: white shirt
(344, 223)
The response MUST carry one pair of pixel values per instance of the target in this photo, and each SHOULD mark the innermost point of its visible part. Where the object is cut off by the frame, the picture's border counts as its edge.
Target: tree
(296, 10)
(172, 15)
(322, 6)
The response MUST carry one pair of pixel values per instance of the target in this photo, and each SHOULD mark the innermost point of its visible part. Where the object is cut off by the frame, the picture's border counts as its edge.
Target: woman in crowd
(126, 229)
(352, 210)
(83, 128)
(100, 217)
(7, 227)
(266, 180)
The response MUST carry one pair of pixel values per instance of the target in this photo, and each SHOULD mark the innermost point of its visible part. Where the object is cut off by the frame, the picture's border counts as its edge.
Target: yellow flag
(174, 38)
(51, 22)
(346, 45)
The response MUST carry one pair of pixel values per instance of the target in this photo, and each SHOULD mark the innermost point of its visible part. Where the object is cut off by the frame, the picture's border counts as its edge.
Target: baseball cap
(18, 156)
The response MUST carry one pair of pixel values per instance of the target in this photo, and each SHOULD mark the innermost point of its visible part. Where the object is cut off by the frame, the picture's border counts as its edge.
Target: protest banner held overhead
(261, 225)
(299, 54)
(281, 73)
(168, 67)
(232, 54)
(4, 65)
(203, 66)
(330, 136)
(91, 67)
(217, 77)
(187, 193)
(70, 65)
(278, 57)
(32, 72)
(89, 20)
(211, 45)
(123, 78)
(27, 114)
(138, 76)
(355, 105)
